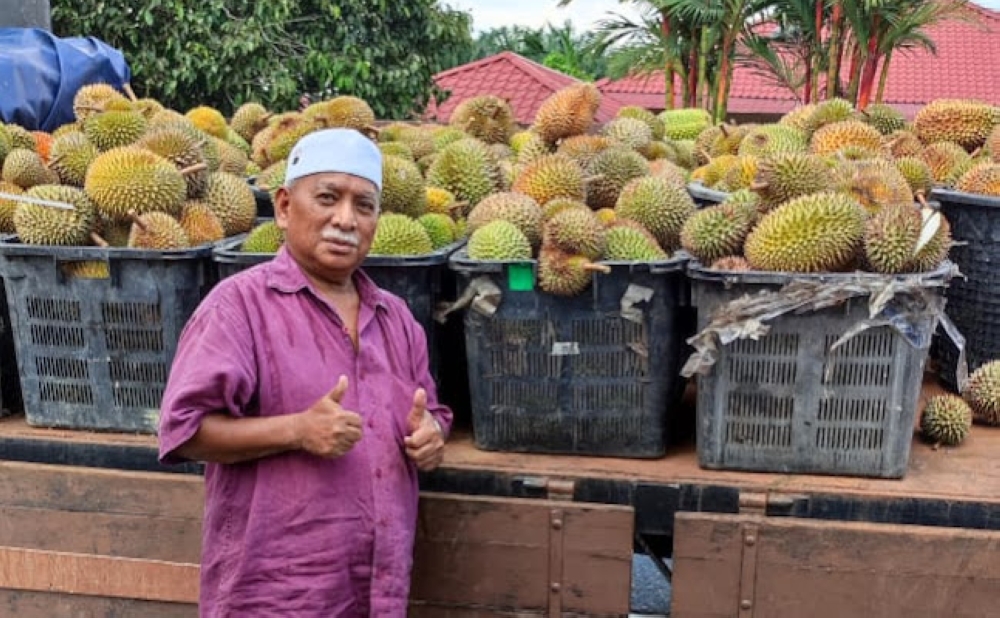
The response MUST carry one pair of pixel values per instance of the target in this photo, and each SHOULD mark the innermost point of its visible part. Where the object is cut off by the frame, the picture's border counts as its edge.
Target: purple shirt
(295, 534)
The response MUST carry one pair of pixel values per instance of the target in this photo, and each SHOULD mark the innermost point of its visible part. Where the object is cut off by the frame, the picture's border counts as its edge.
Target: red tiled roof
(524, 83)
(965, 66)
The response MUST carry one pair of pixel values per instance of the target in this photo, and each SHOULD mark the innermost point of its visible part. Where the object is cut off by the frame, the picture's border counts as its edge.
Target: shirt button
(378, 473)
(371, 423)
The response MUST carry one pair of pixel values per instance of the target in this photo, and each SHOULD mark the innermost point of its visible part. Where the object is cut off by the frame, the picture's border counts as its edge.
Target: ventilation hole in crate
(532, 396)
(866, 360)
(614, 429)
(518, 333)
(755, 419)
(851, 424)
(777, 344)
(518, 363)
(63, 392)
(606, 332)
(152, 374)
(64, 368)
(516, 425)
(138, 396)
(132, 314)
(623, 364)
(872, 344)
(623, 396)
(53, 309)
(756, 370)
(51, 335)
(129, 340)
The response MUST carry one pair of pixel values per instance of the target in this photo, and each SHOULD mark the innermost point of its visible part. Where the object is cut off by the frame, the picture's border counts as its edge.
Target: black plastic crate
(785, 403)
(586, 375)
(973, 301)
(95, 353)
(703, 196)
(422, 281)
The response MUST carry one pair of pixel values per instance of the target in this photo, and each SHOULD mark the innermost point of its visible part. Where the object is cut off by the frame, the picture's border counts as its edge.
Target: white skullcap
(335, 150)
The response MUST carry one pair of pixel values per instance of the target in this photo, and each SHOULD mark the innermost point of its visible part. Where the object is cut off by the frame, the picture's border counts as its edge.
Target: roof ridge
(475, 64)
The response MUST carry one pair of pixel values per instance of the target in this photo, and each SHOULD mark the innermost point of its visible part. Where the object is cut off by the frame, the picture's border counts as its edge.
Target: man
(306, 389)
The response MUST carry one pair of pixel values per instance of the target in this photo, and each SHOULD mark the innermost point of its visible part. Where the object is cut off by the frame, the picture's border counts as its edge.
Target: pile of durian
(567, 192)
(805, 172)
(127, 173)
(947, 419)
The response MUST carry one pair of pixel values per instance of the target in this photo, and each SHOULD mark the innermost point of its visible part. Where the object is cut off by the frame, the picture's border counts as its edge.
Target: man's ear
(282, 202)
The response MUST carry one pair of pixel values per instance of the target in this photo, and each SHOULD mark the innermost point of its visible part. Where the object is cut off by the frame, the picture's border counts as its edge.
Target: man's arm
(225, 439)
(325, 429)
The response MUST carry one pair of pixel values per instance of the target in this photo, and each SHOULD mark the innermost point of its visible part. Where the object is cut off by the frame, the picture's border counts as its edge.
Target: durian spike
(134, 218)
(97, 240)
(131, 93)
(598, 268)
(36, 201)
(197, 167)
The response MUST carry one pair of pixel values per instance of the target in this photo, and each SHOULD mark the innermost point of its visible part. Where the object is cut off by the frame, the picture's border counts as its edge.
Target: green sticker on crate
(520, 278)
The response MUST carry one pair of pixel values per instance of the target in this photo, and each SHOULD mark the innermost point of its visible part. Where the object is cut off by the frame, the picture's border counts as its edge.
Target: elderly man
(306, 389)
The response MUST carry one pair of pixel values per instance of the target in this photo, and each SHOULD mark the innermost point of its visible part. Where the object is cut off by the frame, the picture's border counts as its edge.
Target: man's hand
(326, 429)
(425, 444)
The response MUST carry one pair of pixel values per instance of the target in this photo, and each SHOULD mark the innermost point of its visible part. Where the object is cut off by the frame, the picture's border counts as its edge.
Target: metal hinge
(549, 488)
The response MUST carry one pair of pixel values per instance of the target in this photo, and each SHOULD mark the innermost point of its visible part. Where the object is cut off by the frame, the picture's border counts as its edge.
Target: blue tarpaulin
(40, 74)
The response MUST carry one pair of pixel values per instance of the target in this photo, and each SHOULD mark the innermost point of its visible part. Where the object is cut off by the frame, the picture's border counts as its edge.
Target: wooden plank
(24, 604)
(707, 567)
(827, 569)
(131, 536)
(436, 611)
(98, 490)
(101, 576)
(969, 473)
(474, 552)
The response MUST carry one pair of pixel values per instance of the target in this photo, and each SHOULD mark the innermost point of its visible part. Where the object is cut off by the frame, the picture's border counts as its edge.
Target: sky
(584, 14)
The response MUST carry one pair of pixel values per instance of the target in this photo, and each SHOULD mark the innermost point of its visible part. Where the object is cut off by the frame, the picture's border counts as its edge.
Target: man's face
(329, 221)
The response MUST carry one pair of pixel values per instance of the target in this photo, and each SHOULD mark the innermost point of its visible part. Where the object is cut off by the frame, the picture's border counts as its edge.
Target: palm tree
(907, 31)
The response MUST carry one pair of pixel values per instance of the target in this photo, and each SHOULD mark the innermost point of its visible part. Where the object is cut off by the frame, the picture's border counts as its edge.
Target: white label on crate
(634, 295)
(565, 348)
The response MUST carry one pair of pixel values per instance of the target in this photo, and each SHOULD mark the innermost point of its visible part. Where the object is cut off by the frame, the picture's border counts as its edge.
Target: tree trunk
(836, 51)
(871, 67)
(668, 68)
(852, 90)
(692, 98)
(884, 77)
(725, 76)
(703, 86)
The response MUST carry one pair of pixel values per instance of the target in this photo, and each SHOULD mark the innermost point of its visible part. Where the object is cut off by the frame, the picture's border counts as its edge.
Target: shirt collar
(285, 275)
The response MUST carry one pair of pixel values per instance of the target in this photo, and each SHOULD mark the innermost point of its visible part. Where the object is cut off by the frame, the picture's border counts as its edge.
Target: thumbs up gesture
(326, 428)
(425, 444)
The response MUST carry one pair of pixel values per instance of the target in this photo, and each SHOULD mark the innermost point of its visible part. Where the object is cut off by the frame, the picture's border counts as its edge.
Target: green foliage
(559, 48)
(226, 52)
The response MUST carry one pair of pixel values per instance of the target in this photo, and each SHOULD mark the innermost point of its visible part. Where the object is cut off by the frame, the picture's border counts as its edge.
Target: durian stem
(458, 205)
(920, 198)
(599, 268)
(34, 200)
(197, 167)
(134, 218)
(594, 178)
(97, 240)
(131, 93)
(758, 186)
